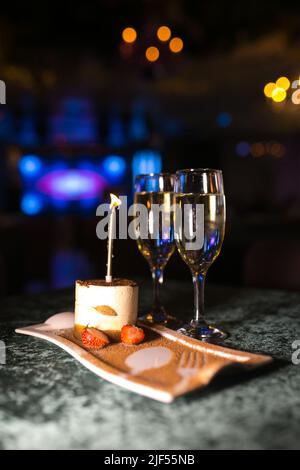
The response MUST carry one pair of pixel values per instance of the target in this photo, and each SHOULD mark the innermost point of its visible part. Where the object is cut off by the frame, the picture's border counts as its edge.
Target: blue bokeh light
(114, 166)
(242, 149)
(145, 162)
(116, 134)
(224, 119)
(31, 204)
(30, 165)
(74, 122)
(138, 128)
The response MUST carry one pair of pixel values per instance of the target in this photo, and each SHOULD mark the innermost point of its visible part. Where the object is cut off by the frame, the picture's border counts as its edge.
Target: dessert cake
(106, 306)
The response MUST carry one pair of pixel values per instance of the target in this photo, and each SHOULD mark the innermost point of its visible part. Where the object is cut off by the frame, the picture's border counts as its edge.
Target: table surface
(49, 401)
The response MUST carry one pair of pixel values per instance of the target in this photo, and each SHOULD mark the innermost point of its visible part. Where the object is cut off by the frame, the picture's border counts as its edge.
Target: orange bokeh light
(152, 53)
(258, 149)
(129, 35)
(163, 33)
(176, 45)
(269, 88)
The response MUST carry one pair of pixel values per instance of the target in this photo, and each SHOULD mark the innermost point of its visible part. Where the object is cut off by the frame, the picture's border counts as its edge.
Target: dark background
(202, 107)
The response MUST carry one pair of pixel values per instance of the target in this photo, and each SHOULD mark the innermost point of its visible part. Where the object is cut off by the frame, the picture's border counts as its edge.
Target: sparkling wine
(212, 223)
(158, 246)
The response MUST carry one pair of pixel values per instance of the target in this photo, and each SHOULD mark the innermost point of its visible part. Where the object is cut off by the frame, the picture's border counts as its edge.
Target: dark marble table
(49, 401)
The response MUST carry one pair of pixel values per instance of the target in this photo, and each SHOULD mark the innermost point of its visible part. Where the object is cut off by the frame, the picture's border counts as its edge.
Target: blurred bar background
(99, 91)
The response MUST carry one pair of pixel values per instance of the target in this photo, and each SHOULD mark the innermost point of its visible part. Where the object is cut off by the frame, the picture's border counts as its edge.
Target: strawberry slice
(94, 339)
(131, 334)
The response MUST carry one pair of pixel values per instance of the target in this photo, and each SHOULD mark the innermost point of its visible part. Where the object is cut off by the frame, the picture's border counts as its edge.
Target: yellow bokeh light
(278, 95)
(163, 33)
(129, 35)
(269, 88)
(176, 45)
(283, 82)
(152, 53)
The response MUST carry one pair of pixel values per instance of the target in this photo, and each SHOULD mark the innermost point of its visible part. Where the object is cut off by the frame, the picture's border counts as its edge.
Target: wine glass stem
(157, 277)
(199, 283)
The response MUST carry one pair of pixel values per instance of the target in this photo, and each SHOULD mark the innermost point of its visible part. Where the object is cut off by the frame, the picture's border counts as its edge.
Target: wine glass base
(203, 332)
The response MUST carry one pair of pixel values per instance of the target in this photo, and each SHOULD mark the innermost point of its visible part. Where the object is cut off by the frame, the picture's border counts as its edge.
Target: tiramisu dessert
(106, 309)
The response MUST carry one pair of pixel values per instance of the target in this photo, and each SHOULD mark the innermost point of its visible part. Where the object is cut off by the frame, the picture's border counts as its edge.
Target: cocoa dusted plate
(166, 365)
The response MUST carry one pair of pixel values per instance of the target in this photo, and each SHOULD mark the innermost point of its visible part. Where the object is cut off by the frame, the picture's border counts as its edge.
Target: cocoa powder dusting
(101, 282)
(115, 355)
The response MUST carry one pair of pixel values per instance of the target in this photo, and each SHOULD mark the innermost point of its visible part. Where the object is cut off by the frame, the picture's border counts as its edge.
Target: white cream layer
(122, 299)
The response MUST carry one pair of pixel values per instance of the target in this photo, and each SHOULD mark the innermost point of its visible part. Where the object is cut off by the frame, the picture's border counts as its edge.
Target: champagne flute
(199, 232)
(156, 243)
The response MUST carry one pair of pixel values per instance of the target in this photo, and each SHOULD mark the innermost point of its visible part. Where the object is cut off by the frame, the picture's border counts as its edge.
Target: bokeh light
(224, 119)
(152, 53)
(269, 88)
(257, 149)
(296, 97)
(176, 45)
(129, 35)
(163, 33)
(30, 165)
(31, 204)
(145, 162)
(278, 95)
(126, 50)
(72, 184)
(114, 166)
(242, 149)
(283, 82)
(276, 149)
